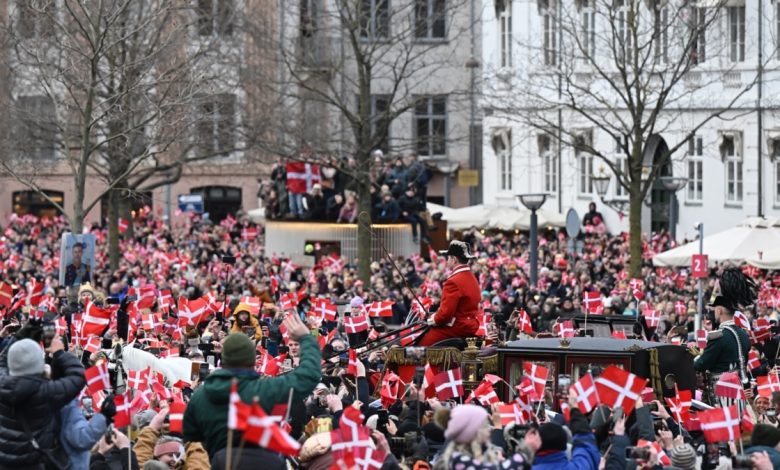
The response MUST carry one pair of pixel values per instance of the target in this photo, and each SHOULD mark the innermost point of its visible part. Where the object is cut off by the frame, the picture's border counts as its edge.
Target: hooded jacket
(38, 400)
(79, 435)
(205, 419)
(236, 328)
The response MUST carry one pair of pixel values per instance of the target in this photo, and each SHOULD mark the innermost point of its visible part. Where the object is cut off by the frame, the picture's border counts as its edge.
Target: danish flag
(741, 320)
(34, 293)
(97, 378)
(617, 387)
(165, 300)
(427, 383)
(592, 302)
(263, 431)
(149, 321)
(391, 385)
(351, 434)
(123, 225)
(352, 365)
(252, 302)
(249, 234)
(449, 384)
(381, 309)
(662, 457)
(652, 317)
(511, 413)
(679, 307)
(122, 417)
(138, 379)
(680, 404)
(586, 393)
(288, 301)
(325, 309)
(145, 296)
(356, 324)
(192, 312)
(95, 320)
(767, 384)
(6, 294)
(761, 331)
(524, 323)
(729, 386)
(141, 401)
(266, 364)
(485, 393)
(369, 458)
(701, 339)
(238, 411)
(93, 344)
(720, 424)
(538, 375)
(176, 416)
(564, 329)
(753, 360)
(747, 420)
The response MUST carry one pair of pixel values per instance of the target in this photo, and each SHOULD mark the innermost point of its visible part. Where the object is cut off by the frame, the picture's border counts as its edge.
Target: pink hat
(465, 422)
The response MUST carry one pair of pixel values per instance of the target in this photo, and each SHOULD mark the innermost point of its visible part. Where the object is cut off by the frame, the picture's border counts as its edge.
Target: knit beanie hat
(356, 302)
(683, 457)
(553, 437)
(465, 422)
(238, 351)
(765, 435)
(25, 357)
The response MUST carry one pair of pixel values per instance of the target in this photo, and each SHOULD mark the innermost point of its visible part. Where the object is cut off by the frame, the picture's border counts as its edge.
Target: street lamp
(447, 167)
(601, 184)
(533, 202)
(673, 184)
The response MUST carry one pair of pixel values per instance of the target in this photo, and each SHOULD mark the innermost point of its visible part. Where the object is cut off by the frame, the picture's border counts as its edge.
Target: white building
(731, 162)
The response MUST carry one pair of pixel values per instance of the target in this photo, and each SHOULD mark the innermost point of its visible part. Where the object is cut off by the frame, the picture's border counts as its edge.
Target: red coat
(458, 314)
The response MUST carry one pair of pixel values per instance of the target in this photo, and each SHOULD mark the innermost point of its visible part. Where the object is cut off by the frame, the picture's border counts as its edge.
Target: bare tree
(352, 68)
(124, 90)
(629, 70)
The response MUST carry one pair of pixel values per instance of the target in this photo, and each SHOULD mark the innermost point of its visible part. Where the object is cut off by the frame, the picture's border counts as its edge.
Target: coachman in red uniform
(458, 312)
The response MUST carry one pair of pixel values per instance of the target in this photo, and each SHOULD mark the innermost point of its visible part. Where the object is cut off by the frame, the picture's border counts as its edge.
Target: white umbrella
(736, 245)
(495, 217)
(769, 259)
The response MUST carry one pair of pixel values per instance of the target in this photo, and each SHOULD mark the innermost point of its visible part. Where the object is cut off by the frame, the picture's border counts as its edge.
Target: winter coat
(39, 401)
(410, 205)
(205, 419)
(774, 455)
(79, 435)
(195, 457)
(236, 328)
(115, 460)
(584, 456)
(388, 211)
(616, 459)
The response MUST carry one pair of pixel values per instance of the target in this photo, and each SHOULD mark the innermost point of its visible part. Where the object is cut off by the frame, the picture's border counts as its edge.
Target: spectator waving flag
(325, 309)
(97, 378)
(122, 417)
(564, 329)
(720, 424)
(356, 324)
(753, 360)
(592, 302)
(95, 320)
(511, 413)
(263, 431)
(381, 309)
(192, 312)
(238, 411)
(680, 404)
(485, 393)
(301, 177)
(538, 375)
(524, 322)
(586, 393)
(138, 379)
(617, 387)
(652, 317)
(729, 386)
(449, 384)
(176, 416)
(741, 321)
(767, 385)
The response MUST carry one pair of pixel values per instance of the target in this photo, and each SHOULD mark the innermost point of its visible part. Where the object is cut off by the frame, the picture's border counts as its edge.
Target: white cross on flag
(767, 384)
(351, 434)
(301, 177)
(538, 375)
(356, 324)
(524, 322)
(753, 360)
(138, 379)
(720, 424)
(652, 317)
(93, 344)
(263, 431)
(564, 329)
(97, 378)
(381, 309)
(122, 417)
(586, 393)
(679, 307)
(729, 386)
(762, 331)
(238, 411)
(617, 387)
(701, 339)
(449, 384)
(485, 393)
(95, 320)
(176, 416)
(680, 404)
(510, 413)
(325, 309)
(288, 301)
(592, 302)
(192, 312)
(252, 302)
(165, 301)
(368, 458)
(741, 320)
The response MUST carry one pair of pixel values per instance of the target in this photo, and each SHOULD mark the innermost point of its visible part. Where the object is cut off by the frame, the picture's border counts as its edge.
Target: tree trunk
(635, 225)
(112, 222)
(364, 239)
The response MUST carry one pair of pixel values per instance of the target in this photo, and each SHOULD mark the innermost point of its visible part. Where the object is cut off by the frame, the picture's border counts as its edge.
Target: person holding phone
(246, 322)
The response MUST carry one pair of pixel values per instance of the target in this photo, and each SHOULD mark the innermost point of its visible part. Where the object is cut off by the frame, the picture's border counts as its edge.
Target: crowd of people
(92, 377)
(399, 190)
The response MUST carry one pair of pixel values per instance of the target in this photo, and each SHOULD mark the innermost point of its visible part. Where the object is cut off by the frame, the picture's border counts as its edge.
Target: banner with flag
(301, 177)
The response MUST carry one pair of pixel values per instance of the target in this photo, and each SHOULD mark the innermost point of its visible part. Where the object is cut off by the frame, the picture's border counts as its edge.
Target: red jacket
(459, 301)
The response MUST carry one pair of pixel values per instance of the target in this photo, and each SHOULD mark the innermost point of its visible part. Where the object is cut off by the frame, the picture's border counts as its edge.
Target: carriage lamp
(470, 365)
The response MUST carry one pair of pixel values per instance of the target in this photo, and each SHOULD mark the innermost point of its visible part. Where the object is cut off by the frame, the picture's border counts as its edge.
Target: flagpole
(289, 404)
(130, 450)
(229, 458)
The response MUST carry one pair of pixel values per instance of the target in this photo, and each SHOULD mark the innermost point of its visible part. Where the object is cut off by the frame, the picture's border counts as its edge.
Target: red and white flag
(301, 177)
(356, 324)
(538, 376)
(741, 321)
(652, 317)
(617, 387)
(663, 459)
(484, 393)
(701, 339)
(238, 411)
(93, 344)
(449, 384)
(95, 320)
(192, 312)
(381, 309)
(122, 417)
(252, 302)
(123, 225)
(524, 323)
(511, 413)
(249, 234)
(679, 307)
(165, 300)
(325, 309)
(391, 386)
(352, 364)
(586, 393)
(138, 379)
(351, 434)
(680, 404)
(264, 431)
(266, 364)
(729, 386)
(747, 422)
(97, 378)
(564, 329)
(176, 416)
(288, 301)
(768, 384)
(720, 424)
(592, 302)
(753, 360)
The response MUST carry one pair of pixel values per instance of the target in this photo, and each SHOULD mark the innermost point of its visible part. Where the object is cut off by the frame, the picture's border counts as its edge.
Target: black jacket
(408, 204)
(39, 401)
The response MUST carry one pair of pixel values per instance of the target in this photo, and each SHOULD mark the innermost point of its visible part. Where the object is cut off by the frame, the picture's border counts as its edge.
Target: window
(774, 153)
(550, 36)
(430, 124)
(374, 19)
(216, 126)
(215, 17)
(502, 146)
(698, 26)
(36, 127)
(584, 163)
(430, 19)
(549, 163)
(621, 161)
(695, 160)
(777, 182)
(505, 35)
(313, 49)
(662, 36)
(737, 33)
(625, 23)
(588, 40)
(732, 157)
(380, 124)
(777, 29)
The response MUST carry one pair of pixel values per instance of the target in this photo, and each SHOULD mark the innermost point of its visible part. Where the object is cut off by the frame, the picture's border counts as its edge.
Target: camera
(653, 406)
(637, 453)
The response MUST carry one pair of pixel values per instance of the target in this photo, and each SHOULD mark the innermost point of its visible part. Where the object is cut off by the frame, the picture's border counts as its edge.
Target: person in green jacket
(205, 419)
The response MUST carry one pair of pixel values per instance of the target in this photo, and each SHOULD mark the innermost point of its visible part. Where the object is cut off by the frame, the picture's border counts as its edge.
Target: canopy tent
(495, 217)
(737, 244)
(769, 259)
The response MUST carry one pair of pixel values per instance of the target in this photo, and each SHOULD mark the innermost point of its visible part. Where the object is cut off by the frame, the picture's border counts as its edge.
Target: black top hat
(457, 249)
(721, 301)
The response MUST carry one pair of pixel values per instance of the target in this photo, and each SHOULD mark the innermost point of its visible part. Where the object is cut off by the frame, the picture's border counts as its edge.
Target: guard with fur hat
(458, 314)
(245, 322)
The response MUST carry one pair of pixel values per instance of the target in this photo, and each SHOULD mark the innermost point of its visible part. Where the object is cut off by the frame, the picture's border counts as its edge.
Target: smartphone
(210, 361)
(229, 259)
(195, 371)
(109, 433)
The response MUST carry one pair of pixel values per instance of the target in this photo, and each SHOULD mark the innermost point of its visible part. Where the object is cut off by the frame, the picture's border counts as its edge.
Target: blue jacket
(584, 456)
(774, 456)
(78, 435)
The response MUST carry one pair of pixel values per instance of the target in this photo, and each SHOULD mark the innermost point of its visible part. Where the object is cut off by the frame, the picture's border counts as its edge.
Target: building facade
(721, 116)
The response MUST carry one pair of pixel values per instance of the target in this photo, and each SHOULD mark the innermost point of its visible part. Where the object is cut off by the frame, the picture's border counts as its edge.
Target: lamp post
(673, 184)
(533, 202)
(447, 167)
(601, 184)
